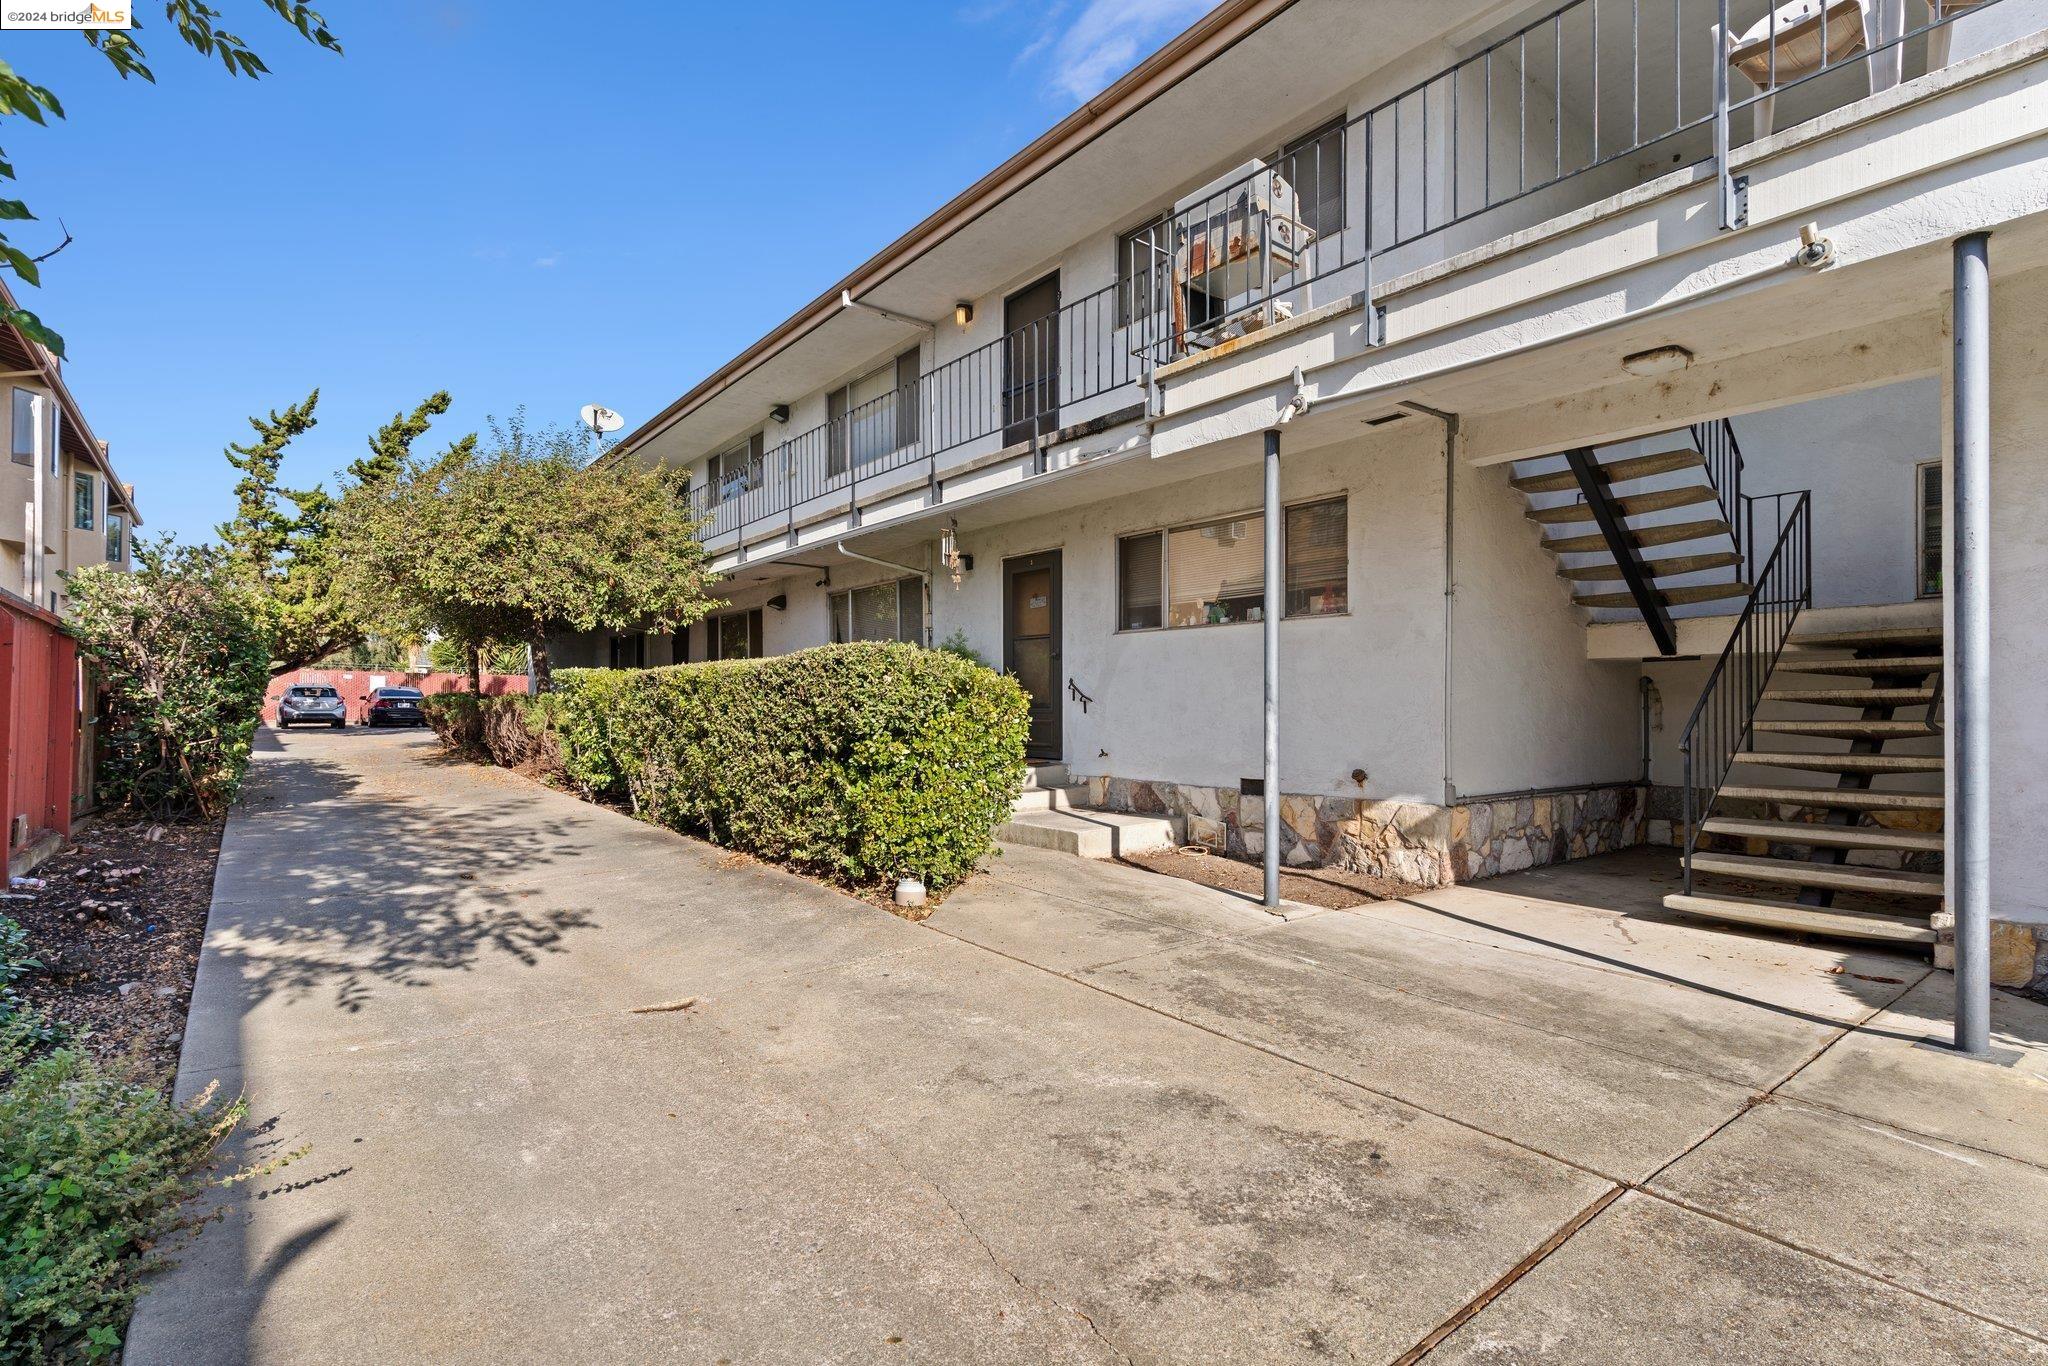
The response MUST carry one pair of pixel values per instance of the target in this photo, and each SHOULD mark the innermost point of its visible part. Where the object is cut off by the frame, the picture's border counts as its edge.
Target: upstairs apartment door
(1031, 644)
(1031, 360)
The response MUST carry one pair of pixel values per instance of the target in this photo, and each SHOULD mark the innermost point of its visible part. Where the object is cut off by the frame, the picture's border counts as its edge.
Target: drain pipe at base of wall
(923, 576)
(1450, 421)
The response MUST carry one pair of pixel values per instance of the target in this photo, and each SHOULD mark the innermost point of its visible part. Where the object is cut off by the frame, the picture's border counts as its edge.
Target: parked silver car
(311, 702)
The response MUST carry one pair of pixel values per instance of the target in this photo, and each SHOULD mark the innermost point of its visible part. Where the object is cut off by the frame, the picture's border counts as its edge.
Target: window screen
(81, 502)
(1214, 572)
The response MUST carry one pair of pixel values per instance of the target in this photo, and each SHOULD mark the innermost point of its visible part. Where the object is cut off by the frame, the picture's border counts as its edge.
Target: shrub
(858, 763)
(95, 1169)
(185, 655)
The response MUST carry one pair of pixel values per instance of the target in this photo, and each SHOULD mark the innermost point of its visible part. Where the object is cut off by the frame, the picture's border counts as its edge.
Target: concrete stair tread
(1090, 834)
(1669, 533)
(1851, 697)
(1903, 665)
(1614, 472)
(1790, 915)
(1842, 877)
(1051, 798)
(1044, 775)
(1634, 505)
(1847, 730)
(1607, 571)
(1831, 836)
(1873, 638)
(1847, 799)
(1844, 763)
(1674, 597)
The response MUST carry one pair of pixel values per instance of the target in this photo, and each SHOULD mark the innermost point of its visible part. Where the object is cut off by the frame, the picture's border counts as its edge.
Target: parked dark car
(311, 702)
(395, 707)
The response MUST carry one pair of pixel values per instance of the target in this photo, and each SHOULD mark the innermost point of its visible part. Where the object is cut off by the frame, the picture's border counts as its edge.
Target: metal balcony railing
(1015, 387)
(1591, 89)
(1578, 104)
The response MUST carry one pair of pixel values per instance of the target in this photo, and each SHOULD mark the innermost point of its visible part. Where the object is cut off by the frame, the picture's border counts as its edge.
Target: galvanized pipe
(1275, 604)
(1969, 659)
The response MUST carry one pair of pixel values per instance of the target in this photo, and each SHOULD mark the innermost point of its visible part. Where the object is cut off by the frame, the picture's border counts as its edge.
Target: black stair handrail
(1722, 719)
(1717, 445)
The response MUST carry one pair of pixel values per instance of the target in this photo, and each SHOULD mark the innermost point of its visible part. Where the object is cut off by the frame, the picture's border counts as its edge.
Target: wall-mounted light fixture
(780, 412)
(963, 313)
(780, 602)
(1658, 360)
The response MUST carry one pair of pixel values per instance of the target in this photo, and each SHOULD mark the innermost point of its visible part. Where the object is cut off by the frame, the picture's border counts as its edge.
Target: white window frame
(1165, 532)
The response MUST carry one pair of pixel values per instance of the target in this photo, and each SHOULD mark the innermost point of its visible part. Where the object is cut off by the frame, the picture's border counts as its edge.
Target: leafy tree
(506, 544)
(183, 646)
(197, 28)
(260, 531)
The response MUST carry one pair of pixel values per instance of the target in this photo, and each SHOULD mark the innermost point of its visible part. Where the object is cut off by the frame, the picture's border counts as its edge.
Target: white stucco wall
(2019, 587)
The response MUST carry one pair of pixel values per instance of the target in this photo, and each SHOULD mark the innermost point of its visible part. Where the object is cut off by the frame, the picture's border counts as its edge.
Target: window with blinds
(1213, 573)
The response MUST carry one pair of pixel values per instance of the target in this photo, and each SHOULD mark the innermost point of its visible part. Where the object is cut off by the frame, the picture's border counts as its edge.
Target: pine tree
(260, 530)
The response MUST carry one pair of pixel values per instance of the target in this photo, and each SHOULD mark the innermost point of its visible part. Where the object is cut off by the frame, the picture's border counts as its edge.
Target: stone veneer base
(1412, 842)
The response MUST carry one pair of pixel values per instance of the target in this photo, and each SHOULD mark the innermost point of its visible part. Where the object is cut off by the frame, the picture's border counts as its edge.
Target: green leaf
(32, 327)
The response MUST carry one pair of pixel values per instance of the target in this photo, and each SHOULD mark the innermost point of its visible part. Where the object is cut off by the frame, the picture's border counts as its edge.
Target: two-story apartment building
(58, 489)
(1508, 431)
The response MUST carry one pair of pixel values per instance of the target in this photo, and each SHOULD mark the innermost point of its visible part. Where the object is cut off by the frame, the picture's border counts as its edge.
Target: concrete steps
(1614, 472)
(1053, 813)
(1811, 857)
(1607, 571)
(1791, 915)
(1839, 877)
(1634, 505)
(1091, 834)
(1813, 834)
(1666, 533)
(1674, 597)
(1845, 799)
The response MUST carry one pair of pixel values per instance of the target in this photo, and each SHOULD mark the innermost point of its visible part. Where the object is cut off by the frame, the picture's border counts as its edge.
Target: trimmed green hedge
(858, 763)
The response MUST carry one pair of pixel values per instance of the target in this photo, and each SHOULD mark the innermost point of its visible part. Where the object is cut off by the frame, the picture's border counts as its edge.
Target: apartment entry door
(1031, 360)
(1031, 644)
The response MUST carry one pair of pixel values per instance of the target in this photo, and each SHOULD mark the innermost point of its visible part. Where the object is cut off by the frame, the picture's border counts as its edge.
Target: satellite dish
(601, 419)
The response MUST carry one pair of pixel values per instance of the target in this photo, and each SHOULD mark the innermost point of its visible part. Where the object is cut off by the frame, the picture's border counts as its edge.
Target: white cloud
(548, 262)
(1108, 38)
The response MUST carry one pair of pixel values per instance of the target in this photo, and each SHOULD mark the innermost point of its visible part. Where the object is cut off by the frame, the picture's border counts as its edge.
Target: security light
(963, 313)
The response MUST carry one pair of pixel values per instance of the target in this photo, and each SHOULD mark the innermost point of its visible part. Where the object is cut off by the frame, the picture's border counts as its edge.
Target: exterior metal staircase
(1683, 493)
(1794, 776)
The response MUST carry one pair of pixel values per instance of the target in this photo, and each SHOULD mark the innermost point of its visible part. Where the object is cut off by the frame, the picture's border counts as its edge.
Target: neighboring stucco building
(87, 515)
(1545, 325)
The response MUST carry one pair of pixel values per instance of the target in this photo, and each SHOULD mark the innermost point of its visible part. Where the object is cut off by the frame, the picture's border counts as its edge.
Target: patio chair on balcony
(1939, 40)
(1805, 36)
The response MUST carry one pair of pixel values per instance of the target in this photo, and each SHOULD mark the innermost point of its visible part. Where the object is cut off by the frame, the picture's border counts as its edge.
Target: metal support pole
(1969, 658)
(1275, 604)
(1721, 133)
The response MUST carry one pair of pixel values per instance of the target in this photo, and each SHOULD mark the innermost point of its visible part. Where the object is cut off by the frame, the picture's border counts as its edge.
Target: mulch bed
(1331, 888)
(117, 923)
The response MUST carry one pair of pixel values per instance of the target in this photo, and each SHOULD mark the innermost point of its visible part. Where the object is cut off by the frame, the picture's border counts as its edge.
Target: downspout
(1450, 421)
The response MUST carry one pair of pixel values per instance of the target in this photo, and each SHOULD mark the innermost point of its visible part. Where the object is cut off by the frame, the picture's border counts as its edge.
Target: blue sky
(482, 197)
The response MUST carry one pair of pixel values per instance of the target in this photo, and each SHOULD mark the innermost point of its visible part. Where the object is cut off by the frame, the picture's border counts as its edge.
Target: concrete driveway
(573, 1088)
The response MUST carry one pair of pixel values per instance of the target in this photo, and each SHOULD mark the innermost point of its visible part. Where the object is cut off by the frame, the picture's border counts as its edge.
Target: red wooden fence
(354, 685)
(40, 713)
